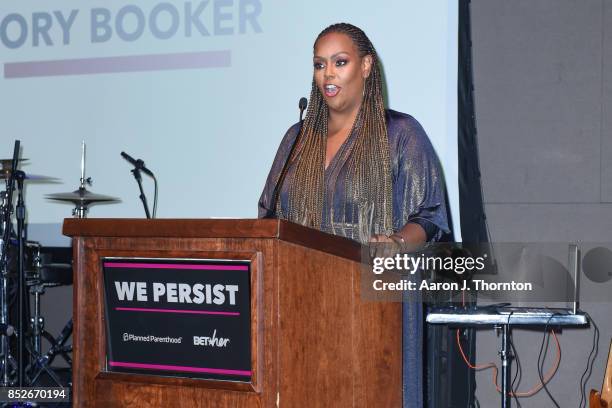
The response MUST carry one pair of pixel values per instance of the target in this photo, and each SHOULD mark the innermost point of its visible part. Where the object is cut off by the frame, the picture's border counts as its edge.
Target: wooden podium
(314, 341)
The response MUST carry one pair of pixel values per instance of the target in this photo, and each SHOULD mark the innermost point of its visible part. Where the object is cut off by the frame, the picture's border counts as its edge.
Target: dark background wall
(543, 94)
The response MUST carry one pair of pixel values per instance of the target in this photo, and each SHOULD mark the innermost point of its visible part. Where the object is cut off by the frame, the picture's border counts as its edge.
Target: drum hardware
(59, 347)
(81, 197)
(41, 273)
(7, 234)
(4, 239)
(13, 177)
(8, 162)
(21, 287)
(20, 360)
(45, 274)
(33, 177)
(37, 271)
(39, 361)
(6, 165)
(6, 169)
(37, 325)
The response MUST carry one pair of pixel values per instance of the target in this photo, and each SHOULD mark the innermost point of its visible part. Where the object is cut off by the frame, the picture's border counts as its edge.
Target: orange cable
(492, 365)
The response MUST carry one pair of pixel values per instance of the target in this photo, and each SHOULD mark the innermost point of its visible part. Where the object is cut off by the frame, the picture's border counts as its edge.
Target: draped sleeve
(265, 201)
(418, 183)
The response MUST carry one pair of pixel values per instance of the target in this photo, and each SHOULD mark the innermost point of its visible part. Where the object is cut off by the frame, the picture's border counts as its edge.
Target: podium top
(213, 228)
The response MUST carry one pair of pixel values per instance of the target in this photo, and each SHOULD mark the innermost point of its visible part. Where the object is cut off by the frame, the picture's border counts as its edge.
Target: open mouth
(331, 90)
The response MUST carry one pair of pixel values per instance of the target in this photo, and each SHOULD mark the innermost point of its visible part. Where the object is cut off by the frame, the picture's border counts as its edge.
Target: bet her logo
(213, 341)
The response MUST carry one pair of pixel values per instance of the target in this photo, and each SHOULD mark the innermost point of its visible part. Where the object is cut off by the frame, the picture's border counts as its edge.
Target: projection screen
(202, 91)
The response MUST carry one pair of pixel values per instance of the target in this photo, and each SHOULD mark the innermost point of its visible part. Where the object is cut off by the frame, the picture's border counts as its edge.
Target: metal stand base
(506, 365)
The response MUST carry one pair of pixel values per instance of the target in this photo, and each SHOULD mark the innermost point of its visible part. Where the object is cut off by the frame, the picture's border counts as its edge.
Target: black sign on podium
(178, 317)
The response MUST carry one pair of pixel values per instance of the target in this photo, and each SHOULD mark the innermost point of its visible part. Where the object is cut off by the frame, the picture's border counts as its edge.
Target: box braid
(369, 176)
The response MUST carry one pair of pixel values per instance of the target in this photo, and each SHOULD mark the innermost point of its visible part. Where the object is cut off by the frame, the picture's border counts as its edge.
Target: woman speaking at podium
(353, 168)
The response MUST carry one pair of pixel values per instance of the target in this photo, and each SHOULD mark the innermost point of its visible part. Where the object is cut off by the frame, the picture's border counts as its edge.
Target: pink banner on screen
(130, 63)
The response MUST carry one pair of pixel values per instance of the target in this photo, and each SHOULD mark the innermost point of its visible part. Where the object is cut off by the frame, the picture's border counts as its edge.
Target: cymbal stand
(37, 322)
(58, 345)
(80, 211)
(21, 286)
(4, 241)
(4, 268)
(42, 362)
(82, 199)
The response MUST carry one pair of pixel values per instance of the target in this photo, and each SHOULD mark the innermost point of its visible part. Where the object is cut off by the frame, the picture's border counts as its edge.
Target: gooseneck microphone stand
(139, 166)
(136, 172)
(303, 102)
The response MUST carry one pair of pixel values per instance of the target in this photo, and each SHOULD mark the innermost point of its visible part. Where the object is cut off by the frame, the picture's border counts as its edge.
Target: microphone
(139, 164)
(281, 178)
(302, 105)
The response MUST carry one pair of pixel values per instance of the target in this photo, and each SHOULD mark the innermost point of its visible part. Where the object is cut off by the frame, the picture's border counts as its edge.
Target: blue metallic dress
(418, 197)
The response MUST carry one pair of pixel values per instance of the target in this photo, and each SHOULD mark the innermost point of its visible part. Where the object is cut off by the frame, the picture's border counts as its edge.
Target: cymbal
(6, 167)
(82, 196)
(5, 174)
(5, 163)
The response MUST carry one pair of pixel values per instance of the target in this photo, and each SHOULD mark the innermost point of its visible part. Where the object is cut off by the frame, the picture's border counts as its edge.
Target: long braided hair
(368, 182)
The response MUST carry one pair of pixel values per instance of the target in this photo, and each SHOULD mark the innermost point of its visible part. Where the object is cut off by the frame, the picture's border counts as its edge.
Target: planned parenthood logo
(151, 339)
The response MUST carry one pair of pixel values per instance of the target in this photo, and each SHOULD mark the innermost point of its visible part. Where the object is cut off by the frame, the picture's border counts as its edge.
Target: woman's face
(340, 72)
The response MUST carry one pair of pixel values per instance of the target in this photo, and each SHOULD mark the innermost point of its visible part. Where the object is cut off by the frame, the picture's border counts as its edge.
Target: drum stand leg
(7, 362)
(40, 362)
(58, 347)
(4, 339)
(37, 321)
(506, 356)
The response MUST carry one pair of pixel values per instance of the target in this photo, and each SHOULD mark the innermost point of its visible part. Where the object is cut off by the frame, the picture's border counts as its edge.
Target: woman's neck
(339, 121)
